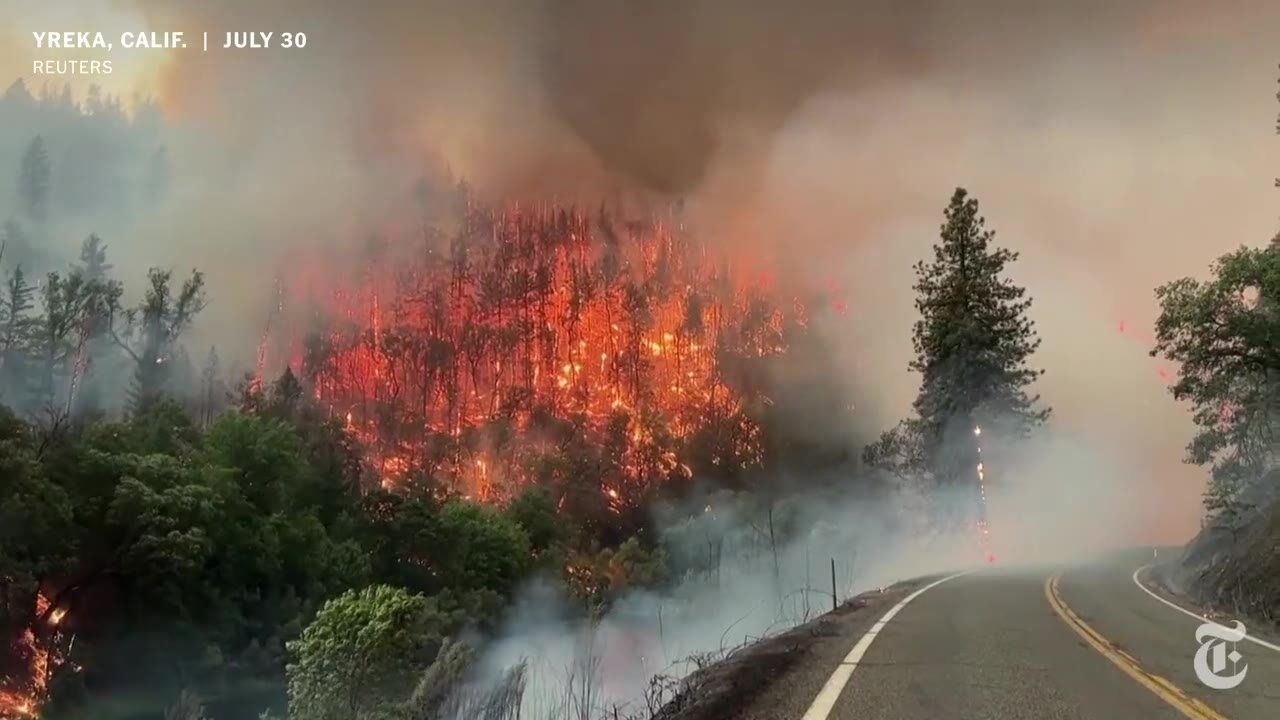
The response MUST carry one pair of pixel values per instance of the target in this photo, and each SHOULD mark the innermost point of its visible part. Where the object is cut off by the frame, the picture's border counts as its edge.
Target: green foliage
(43, 357)
(603, 575)
(360, 657)
(166, 543)
(263, 455)
(480, 548)
(17, 327)
(164, 428)
(1225, 334)
(535, 511)
(36, 543)
(151, 331)
(184, 552)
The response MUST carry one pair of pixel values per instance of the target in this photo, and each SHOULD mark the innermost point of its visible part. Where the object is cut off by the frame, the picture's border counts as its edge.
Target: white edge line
(827, 696)
(1188, 613)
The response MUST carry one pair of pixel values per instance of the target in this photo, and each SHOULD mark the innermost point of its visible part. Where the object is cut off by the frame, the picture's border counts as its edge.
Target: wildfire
(41, 647)
(532, 323)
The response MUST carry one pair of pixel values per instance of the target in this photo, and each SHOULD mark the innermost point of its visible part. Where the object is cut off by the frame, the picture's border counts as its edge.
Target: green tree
(479, 548)
(535, 511)
(208, 572)
(361, 655)
(93, 346)
(401, 536)
(263, 455)
(151, 330)
(93, 258)
(34, 179)
(973, 344)
(36, 546)
(1225, 334)
(602, 576)
(61, 337)
(17, 326)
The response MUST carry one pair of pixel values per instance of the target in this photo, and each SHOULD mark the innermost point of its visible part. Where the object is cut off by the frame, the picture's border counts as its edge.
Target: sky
(1117, 146)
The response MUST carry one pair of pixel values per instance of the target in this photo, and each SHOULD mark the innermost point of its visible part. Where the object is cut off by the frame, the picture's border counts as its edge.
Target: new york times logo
(1211, 659)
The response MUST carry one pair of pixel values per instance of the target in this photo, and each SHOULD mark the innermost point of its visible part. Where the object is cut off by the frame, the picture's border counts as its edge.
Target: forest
(509, 394)
(513, 394)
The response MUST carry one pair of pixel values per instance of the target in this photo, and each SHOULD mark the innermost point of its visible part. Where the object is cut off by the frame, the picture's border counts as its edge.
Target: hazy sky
(1116, 144)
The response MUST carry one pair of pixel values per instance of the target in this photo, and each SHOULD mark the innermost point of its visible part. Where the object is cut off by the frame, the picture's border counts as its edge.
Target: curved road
(990, 644)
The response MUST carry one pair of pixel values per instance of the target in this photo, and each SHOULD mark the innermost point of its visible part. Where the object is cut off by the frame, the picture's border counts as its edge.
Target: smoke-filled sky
(1117, 145)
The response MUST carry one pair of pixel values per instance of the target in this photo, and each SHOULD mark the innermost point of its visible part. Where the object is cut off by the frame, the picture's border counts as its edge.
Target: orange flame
(622, 330)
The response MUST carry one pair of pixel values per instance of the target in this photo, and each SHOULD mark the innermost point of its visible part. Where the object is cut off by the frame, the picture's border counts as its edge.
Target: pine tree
(209, 387)
(62, 301)
(93, 258)
(14, 241)
(34, 178)
(151, 333)
(94, 358)
(16, 326)
(973, 343)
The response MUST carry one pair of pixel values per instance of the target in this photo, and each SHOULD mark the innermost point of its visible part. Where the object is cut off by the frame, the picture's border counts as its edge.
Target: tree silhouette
(34, 180)
(973, 343)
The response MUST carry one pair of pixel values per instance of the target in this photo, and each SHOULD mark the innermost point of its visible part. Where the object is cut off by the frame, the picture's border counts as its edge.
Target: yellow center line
(1165, 690)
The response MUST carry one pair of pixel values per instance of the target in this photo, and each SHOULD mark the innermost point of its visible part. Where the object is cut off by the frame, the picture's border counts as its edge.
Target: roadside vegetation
(1225, 334)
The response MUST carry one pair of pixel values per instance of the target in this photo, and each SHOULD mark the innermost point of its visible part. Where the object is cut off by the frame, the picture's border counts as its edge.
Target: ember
(533, 325)
(41, 648)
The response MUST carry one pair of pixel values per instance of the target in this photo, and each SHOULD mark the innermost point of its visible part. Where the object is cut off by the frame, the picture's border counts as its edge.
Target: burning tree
(535, 339)
(36, 527)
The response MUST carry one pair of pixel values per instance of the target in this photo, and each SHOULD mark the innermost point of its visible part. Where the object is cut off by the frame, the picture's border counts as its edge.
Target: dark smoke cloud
(657, 90)
(566, 97)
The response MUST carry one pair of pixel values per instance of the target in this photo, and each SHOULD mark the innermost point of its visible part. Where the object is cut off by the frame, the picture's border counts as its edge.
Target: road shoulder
(1163, 640)
(778, 677)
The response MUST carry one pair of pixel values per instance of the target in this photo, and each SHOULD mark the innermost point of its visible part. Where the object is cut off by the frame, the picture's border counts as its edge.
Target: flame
(622, 330)
(21, 696)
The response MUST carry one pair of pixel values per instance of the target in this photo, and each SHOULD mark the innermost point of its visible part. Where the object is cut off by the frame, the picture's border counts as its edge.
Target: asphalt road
(991, 645)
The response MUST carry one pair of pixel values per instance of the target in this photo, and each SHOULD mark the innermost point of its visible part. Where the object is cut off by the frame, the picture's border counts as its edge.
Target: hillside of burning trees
(605, 359)
(509, 391)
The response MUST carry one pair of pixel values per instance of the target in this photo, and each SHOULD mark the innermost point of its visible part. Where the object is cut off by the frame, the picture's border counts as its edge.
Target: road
(990, 644)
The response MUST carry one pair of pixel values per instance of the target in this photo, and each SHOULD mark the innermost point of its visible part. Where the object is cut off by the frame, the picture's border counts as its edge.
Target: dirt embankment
(1234, 570)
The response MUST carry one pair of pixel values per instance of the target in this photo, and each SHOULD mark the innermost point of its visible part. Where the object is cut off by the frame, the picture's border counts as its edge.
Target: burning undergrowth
(501, 346)
(36, 655)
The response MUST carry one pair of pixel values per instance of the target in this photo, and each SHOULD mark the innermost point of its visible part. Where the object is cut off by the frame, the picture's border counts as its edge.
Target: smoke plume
(1114, 145)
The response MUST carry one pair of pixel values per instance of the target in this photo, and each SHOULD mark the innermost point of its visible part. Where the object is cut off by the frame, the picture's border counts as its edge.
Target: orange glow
(22, 696)
(621, 329)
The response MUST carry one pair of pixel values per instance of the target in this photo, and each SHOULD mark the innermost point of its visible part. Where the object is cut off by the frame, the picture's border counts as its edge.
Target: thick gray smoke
(1116, 145)
(762, 568)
